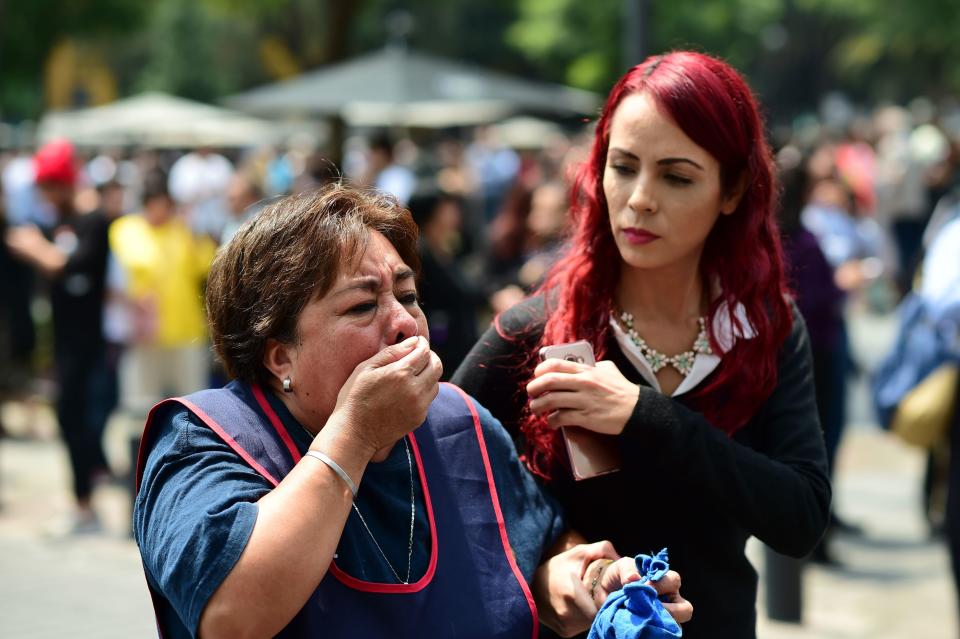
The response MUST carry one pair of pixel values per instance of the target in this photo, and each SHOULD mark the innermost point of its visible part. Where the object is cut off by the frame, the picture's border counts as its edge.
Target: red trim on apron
(496, 508)
(230, 441)
(275, 421)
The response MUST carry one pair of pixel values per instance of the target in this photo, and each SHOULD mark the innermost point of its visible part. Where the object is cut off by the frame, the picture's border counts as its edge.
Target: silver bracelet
(335, 467)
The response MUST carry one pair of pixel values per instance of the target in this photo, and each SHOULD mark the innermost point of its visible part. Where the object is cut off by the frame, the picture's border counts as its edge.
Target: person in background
(384, 173)
(164, 264)
(17, 333)
(106, 378)
(704, 383)
(74, 258)
(198, 184)
(853, 247)
(820, 301)
(507, 238)
(495, 168)
(545, 225)
(940, 290)
(243, 194)
(448, 299)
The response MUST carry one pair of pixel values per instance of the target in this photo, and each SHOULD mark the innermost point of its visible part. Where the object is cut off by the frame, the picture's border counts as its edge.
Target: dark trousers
(81, 417)
(830, 371)
(908, 235)
(953, 498)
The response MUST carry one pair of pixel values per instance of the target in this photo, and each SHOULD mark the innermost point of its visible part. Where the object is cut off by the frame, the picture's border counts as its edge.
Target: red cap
(54, 162)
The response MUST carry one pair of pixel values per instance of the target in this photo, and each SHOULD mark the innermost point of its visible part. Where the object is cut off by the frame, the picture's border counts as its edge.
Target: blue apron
(472, 586)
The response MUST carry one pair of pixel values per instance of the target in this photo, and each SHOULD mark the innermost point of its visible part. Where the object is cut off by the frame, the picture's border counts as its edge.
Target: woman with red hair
(674, 274)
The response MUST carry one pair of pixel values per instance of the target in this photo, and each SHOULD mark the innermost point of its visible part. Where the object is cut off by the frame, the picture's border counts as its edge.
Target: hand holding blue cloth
(634, 612)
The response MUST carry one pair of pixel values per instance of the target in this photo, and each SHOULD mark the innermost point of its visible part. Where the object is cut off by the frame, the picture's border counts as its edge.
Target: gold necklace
(682, 362)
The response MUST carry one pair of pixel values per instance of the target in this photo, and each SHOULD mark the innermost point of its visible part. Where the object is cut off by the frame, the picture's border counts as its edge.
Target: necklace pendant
(684, 362)
(656, 360)
(702, 345)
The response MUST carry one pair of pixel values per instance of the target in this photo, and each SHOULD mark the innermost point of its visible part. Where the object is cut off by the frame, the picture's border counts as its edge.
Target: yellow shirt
(165, 267)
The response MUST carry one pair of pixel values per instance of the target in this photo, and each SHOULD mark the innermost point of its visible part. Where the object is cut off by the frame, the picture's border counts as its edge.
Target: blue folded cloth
(634, 612)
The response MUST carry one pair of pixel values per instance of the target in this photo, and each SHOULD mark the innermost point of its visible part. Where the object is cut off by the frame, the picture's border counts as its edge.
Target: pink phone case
(591, 454)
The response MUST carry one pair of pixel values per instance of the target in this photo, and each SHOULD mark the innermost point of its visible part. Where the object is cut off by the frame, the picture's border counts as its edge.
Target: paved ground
(894, 582)
(56, 586)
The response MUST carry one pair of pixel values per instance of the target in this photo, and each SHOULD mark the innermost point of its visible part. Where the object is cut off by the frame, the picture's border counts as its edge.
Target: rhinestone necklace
(682, 362)
(413, 515)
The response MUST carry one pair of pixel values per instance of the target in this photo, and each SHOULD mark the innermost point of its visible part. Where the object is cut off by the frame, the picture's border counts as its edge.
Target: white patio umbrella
(160, 120)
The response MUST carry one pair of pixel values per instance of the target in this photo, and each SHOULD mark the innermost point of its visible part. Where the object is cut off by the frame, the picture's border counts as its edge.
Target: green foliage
(573, 42)
(462, 29)
(29, 30)
(195, 52)
(792, 51)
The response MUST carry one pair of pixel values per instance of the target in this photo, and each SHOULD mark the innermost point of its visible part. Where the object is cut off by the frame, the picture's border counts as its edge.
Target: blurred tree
(196, 51)
(295, 35)
(898, 48)
(29, 30)
(793, 51)
(587, 39)
(462, 29)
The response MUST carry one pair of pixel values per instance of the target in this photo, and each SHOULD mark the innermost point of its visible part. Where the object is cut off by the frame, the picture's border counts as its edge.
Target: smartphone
(591, 454)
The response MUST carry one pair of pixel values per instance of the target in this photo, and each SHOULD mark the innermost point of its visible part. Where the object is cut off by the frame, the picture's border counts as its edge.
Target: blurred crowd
(119, 241)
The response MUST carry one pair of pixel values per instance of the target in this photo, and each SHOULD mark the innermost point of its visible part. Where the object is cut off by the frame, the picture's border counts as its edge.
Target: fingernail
(410, 341)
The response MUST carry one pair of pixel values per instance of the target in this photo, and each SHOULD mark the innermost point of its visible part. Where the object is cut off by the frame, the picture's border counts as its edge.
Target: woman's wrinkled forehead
(367, 256)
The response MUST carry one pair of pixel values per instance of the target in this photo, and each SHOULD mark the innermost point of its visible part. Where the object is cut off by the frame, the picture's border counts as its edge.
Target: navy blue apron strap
(508, 551)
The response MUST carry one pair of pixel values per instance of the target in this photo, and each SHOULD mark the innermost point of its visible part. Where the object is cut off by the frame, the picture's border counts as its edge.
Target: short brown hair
(290, 253)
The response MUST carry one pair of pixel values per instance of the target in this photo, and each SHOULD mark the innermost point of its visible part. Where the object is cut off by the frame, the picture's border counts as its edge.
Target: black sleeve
(776, 487)
(495, 369)
(90, 256)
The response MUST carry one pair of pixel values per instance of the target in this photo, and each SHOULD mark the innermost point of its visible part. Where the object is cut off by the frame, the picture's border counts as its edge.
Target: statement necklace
(413, 515)
(683, 362)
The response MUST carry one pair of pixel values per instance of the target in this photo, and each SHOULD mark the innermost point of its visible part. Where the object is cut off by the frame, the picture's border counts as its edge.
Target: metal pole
(784, 586)
(636, 21)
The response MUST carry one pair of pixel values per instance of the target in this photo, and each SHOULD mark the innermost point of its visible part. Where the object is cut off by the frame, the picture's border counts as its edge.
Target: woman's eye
(362, 308)
(678, 179)
(409, 299)
(622, 169)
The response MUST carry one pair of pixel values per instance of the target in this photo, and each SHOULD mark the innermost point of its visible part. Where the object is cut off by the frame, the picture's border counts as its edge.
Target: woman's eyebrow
(366, 283)
(668, 161)
(616, 149)
(369, 283)
(403, 274)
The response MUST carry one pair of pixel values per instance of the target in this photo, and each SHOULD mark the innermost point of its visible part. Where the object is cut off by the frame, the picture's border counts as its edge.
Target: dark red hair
(710, 102)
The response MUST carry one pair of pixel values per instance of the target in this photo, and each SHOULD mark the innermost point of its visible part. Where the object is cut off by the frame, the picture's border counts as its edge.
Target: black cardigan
(687, 485)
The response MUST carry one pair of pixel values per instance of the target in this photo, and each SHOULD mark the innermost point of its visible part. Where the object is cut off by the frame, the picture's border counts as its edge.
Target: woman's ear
(731, 200)
(278, 359)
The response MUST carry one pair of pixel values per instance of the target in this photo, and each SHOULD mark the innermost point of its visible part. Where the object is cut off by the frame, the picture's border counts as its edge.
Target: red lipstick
(639, 236)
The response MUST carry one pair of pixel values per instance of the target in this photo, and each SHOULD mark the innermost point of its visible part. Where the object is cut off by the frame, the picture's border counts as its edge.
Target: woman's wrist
(348, 454)
(340, 435)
